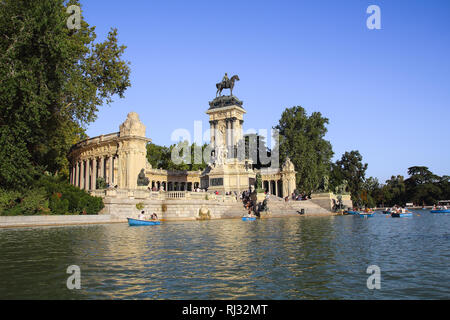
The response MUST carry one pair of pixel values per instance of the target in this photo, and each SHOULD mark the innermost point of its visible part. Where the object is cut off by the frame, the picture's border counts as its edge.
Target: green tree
(158, 156)
(372, 191)
(351, 168)
(394, 192)
(422, 186)
(52, 80)
(302, 139)
(257, 150)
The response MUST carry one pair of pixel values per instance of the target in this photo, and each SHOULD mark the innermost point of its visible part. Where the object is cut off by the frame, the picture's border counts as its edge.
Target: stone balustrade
(161, 195)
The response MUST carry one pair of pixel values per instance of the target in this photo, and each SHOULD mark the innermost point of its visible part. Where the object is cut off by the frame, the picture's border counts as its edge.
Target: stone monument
(226, 117)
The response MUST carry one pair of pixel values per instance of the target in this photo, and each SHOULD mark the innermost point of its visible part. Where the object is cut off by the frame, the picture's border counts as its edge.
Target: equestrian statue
(226, 84)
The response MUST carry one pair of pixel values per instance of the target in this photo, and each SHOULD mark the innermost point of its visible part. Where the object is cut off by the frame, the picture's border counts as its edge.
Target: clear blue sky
(386, 92)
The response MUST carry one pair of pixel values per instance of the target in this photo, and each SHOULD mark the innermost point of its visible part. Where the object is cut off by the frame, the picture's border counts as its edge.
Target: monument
(227, 172)
(121, 158)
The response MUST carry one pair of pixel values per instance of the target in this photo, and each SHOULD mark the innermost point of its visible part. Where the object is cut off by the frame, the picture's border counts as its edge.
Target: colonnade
(274, 187)
(84, 173)
(231, 136)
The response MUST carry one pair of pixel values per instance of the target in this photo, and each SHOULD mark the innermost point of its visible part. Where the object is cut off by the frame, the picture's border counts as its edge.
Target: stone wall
(181, 209)
(32, 221)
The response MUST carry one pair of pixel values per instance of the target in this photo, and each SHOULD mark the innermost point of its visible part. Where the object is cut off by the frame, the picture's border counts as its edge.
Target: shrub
(101, 183)
(140, 206)
(49, 195)
(57, 205)
(32, 202)
(8, 199)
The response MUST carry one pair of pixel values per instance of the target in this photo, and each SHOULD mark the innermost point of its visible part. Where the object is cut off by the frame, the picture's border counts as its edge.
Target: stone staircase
(278, 207)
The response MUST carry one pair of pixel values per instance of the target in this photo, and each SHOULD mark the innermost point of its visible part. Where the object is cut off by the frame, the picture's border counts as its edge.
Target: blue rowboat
(135, 222)
(368, 214)
(248, 218)
(440, 211)
(352, 212)
(401, 215)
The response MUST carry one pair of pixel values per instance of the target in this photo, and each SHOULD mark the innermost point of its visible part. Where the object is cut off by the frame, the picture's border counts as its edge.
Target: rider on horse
(226, 80)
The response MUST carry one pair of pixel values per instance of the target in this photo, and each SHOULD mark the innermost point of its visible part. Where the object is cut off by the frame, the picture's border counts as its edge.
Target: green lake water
(289, 258)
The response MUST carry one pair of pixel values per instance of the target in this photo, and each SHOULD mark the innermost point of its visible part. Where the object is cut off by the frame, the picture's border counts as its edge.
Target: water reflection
(295, 258)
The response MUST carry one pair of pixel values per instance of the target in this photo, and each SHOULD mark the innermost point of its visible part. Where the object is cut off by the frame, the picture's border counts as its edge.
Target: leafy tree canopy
(351, 168)
(52, 81)
(302, 139)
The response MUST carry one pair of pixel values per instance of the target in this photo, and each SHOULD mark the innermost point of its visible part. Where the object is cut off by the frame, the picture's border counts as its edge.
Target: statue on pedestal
(226, 84)
(142, 180)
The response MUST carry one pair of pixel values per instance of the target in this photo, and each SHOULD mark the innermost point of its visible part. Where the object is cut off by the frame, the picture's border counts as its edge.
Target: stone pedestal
(231, 176)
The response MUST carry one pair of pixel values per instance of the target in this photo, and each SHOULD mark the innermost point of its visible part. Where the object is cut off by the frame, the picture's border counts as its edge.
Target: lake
(285, 258)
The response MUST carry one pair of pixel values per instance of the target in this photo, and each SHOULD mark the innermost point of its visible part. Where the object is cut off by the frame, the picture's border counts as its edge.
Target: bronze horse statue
(226, 85)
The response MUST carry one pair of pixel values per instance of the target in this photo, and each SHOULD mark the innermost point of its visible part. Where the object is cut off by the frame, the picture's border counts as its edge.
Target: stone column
(215, 134)
(276, 188)
(73, 174)
(77, 181)
(86, 175)
(102, 167)
(94, 174)
(211, 132)
(82, 174)
(240, 133)
(233, 143)
(111, 171)
(228, 138)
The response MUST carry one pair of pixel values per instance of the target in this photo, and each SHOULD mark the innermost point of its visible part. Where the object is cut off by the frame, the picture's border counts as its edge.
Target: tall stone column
(82, 173)
(228, 138)
(102, 167)
(74, 170)
(233, 143)
(111, 170)
(276, 188)
(211, 129)
(86, 174)
(94, 174)
(78, 174)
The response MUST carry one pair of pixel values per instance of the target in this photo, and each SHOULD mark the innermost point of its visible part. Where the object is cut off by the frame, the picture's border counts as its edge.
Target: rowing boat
(248, 218)
(135, 222)
(367, 214)
(401, 215)
(440, 211)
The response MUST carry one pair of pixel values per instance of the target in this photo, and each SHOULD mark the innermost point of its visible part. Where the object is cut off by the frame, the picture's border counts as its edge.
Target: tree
(302, 139)
(422, 187)
(257, 150)
(372, 191)
(52, 81)
(351, 168)
(160, 157)
(394, 192)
